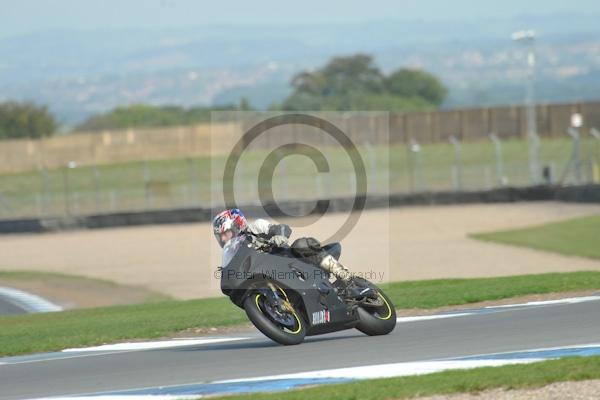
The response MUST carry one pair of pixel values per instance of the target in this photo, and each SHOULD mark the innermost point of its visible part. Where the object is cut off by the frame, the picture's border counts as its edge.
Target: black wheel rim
(383, 311)
(287, 322)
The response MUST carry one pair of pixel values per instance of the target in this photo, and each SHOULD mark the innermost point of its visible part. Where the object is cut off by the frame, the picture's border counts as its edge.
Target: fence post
(576, 156)
(596, 159)
(409, 168)
(97, 198)
(67, 192)
(45, 192)
(417, 173)
(575, 159)
(147, 179)
(457, 167)
(500, 176)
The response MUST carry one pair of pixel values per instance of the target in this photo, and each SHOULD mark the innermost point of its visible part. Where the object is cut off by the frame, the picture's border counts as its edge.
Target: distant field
(188, 182)
(575, 237)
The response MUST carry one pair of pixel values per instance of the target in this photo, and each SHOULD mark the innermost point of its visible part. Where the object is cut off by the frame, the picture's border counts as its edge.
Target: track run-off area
(396, 244)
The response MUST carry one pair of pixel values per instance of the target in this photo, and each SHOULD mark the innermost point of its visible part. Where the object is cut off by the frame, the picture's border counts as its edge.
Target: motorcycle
(288, 298)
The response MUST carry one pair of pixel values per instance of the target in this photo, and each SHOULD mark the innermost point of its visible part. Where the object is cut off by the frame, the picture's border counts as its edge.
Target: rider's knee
(335, 249)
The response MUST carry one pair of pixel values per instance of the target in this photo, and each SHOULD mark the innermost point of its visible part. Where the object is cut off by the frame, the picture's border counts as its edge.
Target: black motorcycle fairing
(307, 285)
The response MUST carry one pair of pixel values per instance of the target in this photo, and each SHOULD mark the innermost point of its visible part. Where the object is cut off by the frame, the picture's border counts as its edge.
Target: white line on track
(163, 344)
(388, 370)
(571, 300)
(507, 307)
(105, 351)
(578, 346)
(430, 317)
(126, 397)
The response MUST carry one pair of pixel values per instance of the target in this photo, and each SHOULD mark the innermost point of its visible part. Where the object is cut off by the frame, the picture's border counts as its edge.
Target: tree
(416, 83)
(143, 115)
(340, 76)
(25, 120)
(356, 83)
(245, 105)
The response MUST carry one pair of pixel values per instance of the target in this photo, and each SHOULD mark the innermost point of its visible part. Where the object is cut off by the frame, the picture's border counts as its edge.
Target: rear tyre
(256, 306)
(377, 319)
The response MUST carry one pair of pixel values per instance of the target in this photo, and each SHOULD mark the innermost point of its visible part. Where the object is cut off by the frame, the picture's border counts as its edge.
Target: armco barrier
(587, 194)
(580, 194)
(21, 226)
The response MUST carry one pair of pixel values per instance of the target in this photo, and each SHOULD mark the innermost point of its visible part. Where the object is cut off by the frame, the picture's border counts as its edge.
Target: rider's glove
(280, 229)
(279, 240)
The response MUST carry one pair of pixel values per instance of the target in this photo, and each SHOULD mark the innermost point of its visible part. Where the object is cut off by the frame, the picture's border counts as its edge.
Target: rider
(231, 223)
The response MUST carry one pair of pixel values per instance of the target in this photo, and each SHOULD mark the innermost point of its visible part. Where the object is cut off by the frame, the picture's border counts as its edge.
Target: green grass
(194, 181)
(448, 382)
(54, 331)
(449, 292)
(575, 237)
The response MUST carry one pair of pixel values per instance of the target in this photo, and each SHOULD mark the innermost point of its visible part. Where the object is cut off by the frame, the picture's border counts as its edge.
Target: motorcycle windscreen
(231, 248)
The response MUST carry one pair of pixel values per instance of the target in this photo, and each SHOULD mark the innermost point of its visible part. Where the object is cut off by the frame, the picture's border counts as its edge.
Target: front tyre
(377, 317)
(286, 329)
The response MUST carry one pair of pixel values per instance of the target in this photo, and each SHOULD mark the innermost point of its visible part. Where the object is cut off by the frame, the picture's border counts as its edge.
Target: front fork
(282, 303)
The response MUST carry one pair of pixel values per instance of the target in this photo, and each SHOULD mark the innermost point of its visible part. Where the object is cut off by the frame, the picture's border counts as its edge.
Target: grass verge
(453, 292)
(575, 237)
(448, 382)
(54, 331)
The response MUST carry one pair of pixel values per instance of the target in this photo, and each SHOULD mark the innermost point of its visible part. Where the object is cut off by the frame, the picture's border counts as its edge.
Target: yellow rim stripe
(293, 313)
(388, 306)
(256, 299)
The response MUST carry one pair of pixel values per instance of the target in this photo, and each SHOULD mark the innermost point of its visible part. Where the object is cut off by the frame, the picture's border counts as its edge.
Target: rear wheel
(377, 316)
(283, 326)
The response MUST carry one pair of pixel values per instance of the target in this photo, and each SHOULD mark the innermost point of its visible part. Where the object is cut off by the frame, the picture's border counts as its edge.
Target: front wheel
(377, 316)
(285, 328)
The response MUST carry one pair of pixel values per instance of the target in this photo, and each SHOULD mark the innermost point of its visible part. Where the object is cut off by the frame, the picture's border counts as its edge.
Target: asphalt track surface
(8, 308)
(504, 330)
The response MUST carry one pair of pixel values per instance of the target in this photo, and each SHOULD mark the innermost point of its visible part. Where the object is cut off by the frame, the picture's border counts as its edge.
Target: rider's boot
(351, 289)
(330, 264)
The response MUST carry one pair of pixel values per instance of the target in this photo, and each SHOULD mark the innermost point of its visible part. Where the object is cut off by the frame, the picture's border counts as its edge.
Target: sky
(26, 16)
